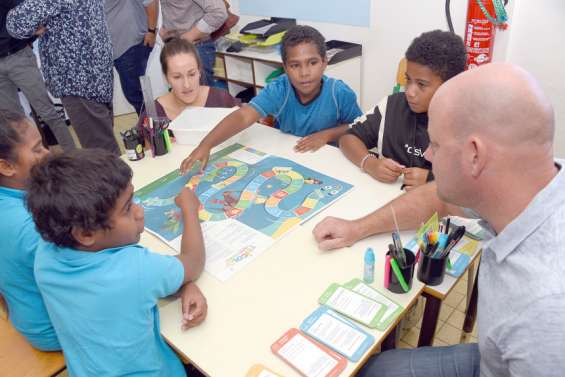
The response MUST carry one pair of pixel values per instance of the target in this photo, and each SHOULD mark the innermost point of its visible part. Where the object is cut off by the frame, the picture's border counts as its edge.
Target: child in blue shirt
(303, 101)
(21, 148)
(99, 286)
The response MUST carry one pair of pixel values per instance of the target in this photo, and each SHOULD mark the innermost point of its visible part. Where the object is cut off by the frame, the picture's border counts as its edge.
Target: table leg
(390, 341)
(471, 310)
(429, 322)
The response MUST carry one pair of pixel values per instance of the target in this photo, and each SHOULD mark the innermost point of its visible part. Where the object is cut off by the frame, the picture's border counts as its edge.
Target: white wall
(532, 41)
(393, 26)
(537, 42)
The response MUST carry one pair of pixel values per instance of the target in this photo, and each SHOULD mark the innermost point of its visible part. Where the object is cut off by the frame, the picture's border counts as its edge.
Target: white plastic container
(194, 123)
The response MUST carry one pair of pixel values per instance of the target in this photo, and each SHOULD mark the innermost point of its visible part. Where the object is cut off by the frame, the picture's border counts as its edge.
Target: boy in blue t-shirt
(21, 148)
(303, 101)
(99, 286)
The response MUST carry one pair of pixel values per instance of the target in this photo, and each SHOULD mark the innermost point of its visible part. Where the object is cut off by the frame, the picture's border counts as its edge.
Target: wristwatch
(149, 30)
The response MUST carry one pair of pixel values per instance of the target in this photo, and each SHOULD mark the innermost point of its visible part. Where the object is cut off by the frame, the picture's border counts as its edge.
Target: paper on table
(230, 246)
(306, 357)
(353, 305)
(259, 370)
(338, 335)
(391, 306)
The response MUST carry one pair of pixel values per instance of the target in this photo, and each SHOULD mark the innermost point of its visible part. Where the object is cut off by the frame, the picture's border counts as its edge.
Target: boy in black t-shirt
(396, 129)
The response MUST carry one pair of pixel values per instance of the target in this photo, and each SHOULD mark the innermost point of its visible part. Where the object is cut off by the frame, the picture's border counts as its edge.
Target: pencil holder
(431, 270)
(158, 141)
(407, 273)
(133, 144)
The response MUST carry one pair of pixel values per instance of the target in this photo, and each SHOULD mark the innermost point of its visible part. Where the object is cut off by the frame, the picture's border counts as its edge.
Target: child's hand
(201, 153)
(414, 177)
(312, 142)
(384, 169)
(187, 200)
(194, 306)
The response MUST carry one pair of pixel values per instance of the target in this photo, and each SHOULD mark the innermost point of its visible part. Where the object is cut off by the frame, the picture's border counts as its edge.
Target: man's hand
(333, 233)
(414, 177)
(194, 306)
(187, 200)
(149, 39)
(312, 142)
(383, 169)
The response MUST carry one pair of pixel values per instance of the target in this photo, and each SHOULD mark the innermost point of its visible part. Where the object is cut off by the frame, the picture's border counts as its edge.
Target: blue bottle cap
(369, 256)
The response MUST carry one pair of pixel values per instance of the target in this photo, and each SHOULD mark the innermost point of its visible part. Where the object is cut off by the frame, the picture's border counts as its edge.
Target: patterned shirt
(76, 53)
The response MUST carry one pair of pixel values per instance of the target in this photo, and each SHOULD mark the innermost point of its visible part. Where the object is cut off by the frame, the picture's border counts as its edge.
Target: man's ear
(85, 238)
(475, 155)
(7, 168)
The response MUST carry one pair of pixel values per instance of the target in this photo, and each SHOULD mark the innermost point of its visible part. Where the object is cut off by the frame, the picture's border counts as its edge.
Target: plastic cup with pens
(399, 264)
(399, 276)
(433, 253)
(156, 134)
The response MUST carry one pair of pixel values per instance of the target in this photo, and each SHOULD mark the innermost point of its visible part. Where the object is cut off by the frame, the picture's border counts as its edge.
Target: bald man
(491, 147)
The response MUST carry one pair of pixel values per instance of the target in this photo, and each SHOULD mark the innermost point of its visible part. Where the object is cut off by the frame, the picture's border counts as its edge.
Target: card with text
(308, 357)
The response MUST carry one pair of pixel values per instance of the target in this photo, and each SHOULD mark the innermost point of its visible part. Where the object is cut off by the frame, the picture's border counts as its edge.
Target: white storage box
(194, 123)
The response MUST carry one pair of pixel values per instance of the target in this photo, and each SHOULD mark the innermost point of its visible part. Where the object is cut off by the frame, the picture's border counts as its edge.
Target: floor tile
(449, 334)
(404, 345)
(445, 312)
(453, 299)
(456, 319)
(462, 305)
(411, 336)
(461, 287)
(439, 343)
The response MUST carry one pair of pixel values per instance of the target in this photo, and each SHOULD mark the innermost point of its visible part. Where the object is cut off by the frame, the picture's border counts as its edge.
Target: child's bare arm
(192, 255)
(353, 148)
(228, 127)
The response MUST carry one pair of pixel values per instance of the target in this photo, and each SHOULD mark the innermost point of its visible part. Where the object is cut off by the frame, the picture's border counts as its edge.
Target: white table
(281, 287)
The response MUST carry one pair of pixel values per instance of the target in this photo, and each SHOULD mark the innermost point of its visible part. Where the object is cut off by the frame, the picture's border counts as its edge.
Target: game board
(248, 198)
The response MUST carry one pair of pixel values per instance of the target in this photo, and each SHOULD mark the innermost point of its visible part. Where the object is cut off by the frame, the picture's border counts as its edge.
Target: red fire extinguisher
(480, 32)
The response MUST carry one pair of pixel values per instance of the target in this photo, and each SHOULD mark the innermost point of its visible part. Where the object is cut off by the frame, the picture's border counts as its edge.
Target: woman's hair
(175, 46)
(12, 125)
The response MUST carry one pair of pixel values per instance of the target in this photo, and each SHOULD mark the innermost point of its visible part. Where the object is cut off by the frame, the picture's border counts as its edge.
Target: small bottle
(369, 267)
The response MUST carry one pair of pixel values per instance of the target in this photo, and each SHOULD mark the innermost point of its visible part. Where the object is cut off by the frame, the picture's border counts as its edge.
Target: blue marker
(369, 268)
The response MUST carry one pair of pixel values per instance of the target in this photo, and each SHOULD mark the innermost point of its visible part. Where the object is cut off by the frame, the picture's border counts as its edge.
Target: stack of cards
(327, 338)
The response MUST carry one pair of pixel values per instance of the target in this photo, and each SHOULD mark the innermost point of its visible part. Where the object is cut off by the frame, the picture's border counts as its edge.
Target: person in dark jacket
(389, 140)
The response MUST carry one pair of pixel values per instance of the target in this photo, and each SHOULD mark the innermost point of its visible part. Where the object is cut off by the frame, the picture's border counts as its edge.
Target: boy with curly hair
(390, 139)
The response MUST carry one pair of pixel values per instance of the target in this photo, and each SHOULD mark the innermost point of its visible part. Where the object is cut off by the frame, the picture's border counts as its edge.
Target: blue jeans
(461, 360)
(130, 66)
(207, 52)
